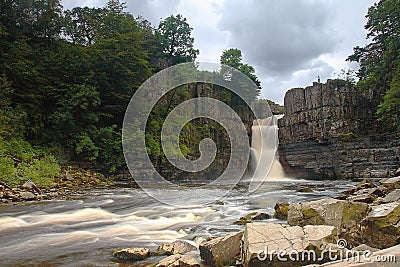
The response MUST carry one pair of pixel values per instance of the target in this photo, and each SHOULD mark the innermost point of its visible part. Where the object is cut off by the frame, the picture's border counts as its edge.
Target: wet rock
(346, 216)
(254, 216)
(281, 210)
(178, 261)
(392, 183)
(27, 196)
(132, 254)
(177, 247)
(267, 240)
(305, 190)
(381, 228)
(221, 251)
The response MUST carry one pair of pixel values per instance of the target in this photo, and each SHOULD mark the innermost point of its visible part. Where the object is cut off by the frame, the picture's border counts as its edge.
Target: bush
(32, 164)
(42, 171)
(8, 172)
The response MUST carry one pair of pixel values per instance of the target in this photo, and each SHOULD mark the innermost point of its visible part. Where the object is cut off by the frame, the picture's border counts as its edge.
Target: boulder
(392, 183)
(177, 247)
(178, 260)
(346, 216)
(30, 186)
(281, 210)
(132, 254)
(27, 196)
(308, 212)
(397, 172)
(262, 242)
(392, 197)
(365, 198)
(368, 195)
(381, 228)
(254, 216)
(221, 251)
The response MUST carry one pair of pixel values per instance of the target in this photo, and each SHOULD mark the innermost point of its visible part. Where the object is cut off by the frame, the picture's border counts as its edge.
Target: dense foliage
(380, 60)
(66, 77)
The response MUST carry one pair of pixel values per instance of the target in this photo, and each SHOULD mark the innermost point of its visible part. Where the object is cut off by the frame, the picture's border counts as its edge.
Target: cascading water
(264, 143)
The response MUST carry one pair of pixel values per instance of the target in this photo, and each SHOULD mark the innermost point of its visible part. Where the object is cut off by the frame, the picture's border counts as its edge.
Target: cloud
(279, 36)
(288, 42)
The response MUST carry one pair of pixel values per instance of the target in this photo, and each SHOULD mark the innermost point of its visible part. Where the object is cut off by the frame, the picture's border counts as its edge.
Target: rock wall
(329, 132)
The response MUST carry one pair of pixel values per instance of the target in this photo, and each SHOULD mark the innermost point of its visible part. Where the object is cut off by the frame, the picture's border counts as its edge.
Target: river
(86, 230)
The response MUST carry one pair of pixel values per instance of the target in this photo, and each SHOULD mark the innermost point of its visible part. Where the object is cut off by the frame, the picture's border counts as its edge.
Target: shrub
(8, 172)
(41, 171)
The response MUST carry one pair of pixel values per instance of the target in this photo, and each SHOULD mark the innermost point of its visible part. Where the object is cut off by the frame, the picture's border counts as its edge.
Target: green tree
(175, 37)
(233, 58)
(379, 60)
(389, 109)
(83, 24)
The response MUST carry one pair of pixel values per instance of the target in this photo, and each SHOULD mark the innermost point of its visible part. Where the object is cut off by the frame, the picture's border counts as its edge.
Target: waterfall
(264, 161)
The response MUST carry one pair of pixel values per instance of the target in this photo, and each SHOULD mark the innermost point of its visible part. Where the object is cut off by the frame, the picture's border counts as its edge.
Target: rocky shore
(361, 227)
(73, 182)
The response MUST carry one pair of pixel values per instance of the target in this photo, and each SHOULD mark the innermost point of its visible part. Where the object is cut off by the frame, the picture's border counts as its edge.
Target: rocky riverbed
(360, 227)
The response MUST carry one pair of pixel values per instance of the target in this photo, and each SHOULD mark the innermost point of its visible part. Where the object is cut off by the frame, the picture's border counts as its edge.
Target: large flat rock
(263, 241)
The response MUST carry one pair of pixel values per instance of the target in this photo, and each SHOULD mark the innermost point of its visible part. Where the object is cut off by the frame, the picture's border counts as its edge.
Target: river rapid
(85, 231)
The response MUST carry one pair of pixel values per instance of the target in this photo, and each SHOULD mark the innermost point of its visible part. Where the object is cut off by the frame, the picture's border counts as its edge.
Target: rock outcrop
(329, 132)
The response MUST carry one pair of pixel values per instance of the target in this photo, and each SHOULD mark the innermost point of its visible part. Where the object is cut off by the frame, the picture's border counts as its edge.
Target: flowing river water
(85, 231)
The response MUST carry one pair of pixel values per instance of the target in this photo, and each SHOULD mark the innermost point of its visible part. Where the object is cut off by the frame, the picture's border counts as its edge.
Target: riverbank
(73, 182)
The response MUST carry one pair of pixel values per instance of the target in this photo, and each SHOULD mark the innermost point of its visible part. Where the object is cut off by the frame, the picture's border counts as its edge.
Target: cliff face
(329, 132)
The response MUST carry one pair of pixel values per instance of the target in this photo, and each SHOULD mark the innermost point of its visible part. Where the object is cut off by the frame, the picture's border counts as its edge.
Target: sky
(289, 42)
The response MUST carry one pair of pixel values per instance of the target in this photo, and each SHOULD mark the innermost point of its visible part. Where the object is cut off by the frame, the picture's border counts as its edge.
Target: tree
(389, 109)
(83, 24)
(175, 37)
(379, 60)
(233, 58)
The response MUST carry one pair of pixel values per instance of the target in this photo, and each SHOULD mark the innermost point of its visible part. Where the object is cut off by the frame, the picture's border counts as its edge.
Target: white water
(264, 144)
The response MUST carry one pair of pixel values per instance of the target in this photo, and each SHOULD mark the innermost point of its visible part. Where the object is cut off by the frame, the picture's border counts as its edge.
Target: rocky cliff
(329, 132)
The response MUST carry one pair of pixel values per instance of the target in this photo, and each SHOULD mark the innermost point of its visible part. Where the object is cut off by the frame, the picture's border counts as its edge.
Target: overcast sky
(289, 42)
